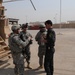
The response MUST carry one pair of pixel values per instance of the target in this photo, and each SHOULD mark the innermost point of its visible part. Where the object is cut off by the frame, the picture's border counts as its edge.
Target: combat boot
(40, 67)
(28, 66)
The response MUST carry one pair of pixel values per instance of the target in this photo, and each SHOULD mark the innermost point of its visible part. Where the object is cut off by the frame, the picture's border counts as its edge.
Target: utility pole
(26, 18)
(60, 15)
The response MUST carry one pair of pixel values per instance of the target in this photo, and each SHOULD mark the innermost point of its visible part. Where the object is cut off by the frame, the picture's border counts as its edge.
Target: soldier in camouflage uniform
(42, 47)
(24, 34)
(16, 45)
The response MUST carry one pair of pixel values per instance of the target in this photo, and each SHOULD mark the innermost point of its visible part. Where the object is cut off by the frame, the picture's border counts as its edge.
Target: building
(70, 21)
(12, 21)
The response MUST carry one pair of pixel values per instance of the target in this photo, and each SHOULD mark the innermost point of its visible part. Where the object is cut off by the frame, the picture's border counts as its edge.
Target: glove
(31, 41)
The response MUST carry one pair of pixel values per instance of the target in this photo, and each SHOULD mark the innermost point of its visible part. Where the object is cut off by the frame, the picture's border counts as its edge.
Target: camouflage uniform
(26, 51)
(42, 47)
(16, 44)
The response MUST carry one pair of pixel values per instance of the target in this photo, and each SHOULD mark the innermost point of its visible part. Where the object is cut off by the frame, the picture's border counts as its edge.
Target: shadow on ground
(10, 71)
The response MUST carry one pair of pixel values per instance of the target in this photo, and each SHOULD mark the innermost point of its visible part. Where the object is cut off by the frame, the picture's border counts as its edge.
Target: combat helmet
(42, 26)
(24, 25)
(15, 27)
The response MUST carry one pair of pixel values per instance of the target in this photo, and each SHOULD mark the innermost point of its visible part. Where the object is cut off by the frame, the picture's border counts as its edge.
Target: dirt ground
(64, 58)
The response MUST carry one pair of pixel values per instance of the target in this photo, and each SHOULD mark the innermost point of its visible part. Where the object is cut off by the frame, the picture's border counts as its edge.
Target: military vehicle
(4, 29)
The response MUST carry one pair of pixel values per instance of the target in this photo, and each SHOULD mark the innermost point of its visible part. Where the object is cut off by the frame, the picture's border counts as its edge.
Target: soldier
(42, 47)
(16, 45)
(26, 51)
(50, 43)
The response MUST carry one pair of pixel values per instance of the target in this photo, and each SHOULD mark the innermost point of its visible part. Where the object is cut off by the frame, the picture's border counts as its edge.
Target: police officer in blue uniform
(50, 43)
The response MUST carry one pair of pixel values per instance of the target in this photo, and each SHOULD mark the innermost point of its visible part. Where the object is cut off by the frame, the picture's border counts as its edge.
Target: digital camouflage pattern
(16, 45)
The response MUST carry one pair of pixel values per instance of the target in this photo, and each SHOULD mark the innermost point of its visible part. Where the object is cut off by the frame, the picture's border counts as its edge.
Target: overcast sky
(45, 9)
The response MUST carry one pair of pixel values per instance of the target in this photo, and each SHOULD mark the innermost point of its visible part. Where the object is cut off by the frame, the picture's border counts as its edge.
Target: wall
(71, 25)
